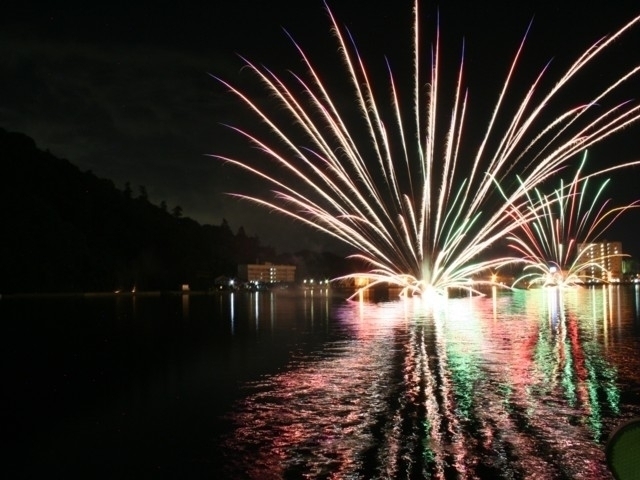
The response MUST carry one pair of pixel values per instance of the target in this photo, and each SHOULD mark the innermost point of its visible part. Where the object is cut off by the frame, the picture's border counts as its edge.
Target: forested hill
(65, 230)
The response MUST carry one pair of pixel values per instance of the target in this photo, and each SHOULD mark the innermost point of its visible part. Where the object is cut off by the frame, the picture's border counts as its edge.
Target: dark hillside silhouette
(69, 231)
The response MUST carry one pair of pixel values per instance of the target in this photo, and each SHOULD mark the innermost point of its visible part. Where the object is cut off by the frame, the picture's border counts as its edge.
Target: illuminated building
(267, 273)
(603, 261)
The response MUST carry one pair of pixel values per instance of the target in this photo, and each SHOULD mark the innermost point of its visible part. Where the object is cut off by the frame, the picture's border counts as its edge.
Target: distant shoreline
(156, 293)
(298, 289)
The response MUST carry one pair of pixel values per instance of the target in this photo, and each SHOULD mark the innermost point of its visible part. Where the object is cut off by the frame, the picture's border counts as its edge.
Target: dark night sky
(123, 88)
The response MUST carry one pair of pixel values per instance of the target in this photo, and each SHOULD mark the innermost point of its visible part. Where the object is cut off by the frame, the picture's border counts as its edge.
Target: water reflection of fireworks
(403, 392)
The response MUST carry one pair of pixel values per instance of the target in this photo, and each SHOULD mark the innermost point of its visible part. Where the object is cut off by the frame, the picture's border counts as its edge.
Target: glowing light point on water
(418, 204)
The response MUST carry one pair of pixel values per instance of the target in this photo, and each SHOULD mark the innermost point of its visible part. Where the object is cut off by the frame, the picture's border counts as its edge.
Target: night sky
(124, 88)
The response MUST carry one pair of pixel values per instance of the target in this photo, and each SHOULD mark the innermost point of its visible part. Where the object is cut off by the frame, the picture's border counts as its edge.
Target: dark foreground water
(306, 385)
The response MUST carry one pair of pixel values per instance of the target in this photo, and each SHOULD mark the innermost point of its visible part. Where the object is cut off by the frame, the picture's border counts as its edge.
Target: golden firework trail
(400, 185)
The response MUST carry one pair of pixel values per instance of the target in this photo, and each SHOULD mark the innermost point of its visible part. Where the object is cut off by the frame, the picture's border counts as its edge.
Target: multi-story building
(267, 273)
(603, 260)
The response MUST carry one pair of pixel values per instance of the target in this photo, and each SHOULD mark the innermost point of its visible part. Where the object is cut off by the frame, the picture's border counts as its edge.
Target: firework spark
(413, 199)
(549, 243)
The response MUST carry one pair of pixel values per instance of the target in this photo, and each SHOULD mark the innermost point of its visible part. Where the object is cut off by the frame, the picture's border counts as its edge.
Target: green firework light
(547, 241)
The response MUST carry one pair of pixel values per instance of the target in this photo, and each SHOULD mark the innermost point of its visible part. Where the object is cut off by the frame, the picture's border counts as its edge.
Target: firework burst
(399, 185)
(548, 240)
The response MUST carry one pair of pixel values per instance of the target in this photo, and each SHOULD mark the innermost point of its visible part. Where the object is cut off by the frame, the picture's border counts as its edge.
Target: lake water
(304, 384)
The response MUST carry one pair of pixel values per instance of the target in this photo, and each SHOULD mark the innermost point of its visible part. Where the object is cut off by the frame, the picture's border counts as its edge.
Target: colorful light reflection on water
(518, 385)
